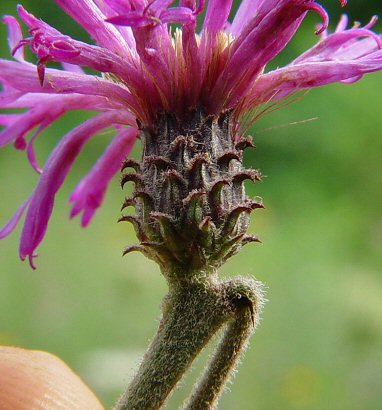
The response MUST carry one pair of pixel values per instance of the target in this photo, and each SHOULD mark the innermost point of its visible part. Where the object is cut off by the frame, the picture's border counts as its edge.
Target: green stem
(192, 314)
(223, 363)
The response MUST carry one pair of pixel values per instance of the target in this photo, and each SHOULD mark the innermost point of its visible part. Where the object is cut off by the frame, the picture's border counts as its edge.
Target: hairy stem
(192, 314)
(223, 363)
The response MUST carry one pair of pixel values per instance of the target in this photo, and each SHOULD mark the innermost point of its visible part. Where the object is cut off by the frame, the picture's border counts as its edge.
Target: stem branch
(223, 363)
(192, 314)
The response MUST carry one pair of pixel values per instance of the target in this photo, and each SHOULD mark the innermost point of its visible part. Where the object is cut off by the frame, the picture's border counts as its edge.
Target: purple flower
(147, 68)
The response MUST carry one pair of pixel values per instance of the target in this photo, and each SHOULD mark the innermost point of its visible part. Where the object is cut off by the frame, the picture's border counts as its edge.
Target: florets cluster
(153, 75)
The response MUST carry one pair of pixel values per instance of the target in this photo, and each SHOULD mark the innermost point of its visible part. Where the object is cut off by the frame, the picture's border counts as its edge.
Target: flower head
(148, 67)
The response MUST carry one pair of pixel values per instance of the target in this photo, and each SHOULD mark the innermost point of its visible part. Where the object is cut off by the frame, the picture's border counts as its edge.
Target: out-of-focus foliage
(319, 345)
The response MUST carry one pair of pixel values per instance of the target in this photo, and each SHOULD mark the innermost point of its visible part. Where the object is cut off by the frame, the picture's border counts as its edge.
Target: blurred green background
(319, 345)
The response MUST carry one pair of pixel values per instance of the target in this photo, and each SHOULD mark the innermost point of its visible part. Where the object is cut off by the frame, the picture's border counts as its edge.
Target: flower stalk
(192, 314)
(235, 339)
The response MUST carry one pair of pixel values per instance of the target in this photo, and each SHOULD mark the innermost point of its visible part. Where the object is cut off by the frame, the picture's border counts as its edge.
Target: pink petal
(72, 68)
(10, 226)
(123, 6)
(181, 15)
(90, 17)
(8, 119)
(132, 19)
(44, 110)
(20, 126)
(296, 77)
(23, 77)
(71, 101)
(216, 15)
(15, 35)
(157, 54)
(342, 24)
(158, 6)
(30, 149)
(343, 44)
(247, 10)
(33, 22)
(263, 37)
(89, 193)
(126, 32)
(8, 95)
(54, 173)
(193, 66)
(261, 40)
(51, 45)
(322, 13)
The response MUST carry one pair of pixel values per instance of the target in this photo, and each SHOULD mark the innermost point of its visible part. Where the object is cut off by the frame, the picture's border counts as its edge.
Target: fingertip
(40, 380)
